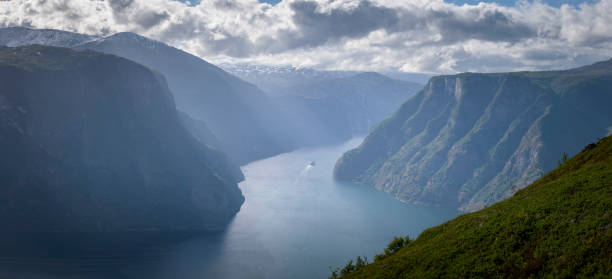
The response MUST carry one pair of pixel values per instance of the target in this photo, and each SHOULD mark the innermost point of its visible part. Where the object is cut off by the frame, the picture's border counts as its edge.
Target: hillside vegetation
(558, 227)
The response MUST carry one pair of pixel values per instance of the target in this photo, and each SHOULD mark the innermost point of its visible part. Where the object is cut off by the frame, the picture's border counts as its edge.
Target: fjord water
(296, 222)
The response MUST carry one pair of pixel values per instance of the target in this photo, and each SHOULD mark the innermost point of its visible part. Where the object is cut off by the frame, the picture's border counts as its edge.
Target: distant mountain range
(328, 106)
(335, 109)
(470, 140)
(277, 80)
(280, 80)
(246, 123)
(93, 142)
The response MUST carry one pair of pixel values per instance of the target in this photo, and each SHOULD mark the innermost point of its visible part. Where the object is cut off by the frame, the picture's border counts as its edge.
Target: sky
(427, 36)
(510, 3)
(555, 3)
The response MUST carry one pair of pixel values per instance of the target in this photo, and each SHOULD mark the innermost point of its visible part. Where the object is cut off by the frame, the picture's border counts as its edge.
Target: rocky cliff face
(242, 117)
(218, 160)
(246, 122)
(472, 139)
(93, 142)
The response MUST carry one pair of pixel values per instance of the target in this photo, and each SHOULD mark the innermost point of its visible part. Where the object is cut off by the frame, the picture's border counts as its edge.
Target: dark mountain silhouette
(93, 142)
(243, 118)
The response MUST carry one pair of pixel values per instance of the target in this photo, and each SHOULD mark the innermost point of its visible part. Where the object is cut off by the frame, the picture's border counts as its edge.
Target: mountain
(558, 227)
(218, 160)
(362, 85)
(340, 108)
(20, 36)
(327, 106)
(93, 142)
(305, 107)
(278, 80)
(241, 116)
(470, 140)
(411, 77)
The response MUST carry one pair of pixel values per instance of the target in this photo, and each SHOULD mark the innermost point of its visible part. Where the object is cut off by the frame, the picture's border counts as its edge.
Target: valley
(273, 139)
(293, 216)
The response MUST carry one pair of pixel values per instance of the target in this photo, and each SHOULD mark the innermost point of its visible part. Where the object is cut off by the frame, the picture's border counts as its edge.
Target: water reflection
(296, 222)
(96, 255)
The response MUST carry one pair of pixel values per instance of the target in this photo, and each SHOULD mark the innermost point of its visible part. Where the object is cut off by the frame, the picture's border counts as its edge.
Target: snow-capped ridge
(129, 37)
(21, 36)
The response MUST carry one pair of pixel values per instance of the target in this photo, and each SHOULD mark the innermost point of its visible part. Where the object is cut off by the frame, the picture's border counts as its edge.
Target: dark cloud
(315, 28)
(493, 26)
(119, 6)
(215, 40)
(544, 54)
(64, 7)
(226, 4)
(123, 11)
(149, 19)
(431, 36)
(357, 22)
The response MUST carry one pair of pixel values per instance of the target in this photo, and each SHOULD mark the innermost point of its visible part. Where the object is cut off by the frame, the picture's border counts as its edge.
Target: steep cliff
(469, 140)
(93, 142)
(246, 122)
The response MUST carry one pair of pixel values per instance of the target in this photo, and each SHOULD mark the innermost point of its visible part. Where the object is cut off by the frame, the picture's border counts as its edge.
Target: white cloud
(410, 35)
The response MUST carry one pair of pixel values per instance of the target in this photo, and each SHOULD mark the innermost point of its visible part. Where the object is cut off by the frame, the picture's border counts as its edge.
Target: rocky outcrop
(246, 122)
(470, 140)
(93, 142)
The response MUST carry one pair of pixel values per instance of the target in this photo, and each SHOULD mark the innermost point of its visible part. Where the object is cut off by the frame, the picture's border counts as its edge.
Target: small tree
(407, 240)
(395, 245)
(361, 262)
(348, 268)
(563, 159)
(334, 274)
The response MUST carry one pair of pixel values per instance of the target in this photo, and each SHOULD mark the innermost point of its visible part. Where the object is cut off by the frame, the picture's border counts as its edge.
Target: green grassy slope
(558, 227)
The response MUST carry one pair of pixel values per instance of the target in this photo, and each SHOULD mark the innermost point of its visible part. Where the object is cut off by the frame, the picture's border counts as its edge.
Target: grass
(558, 227)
